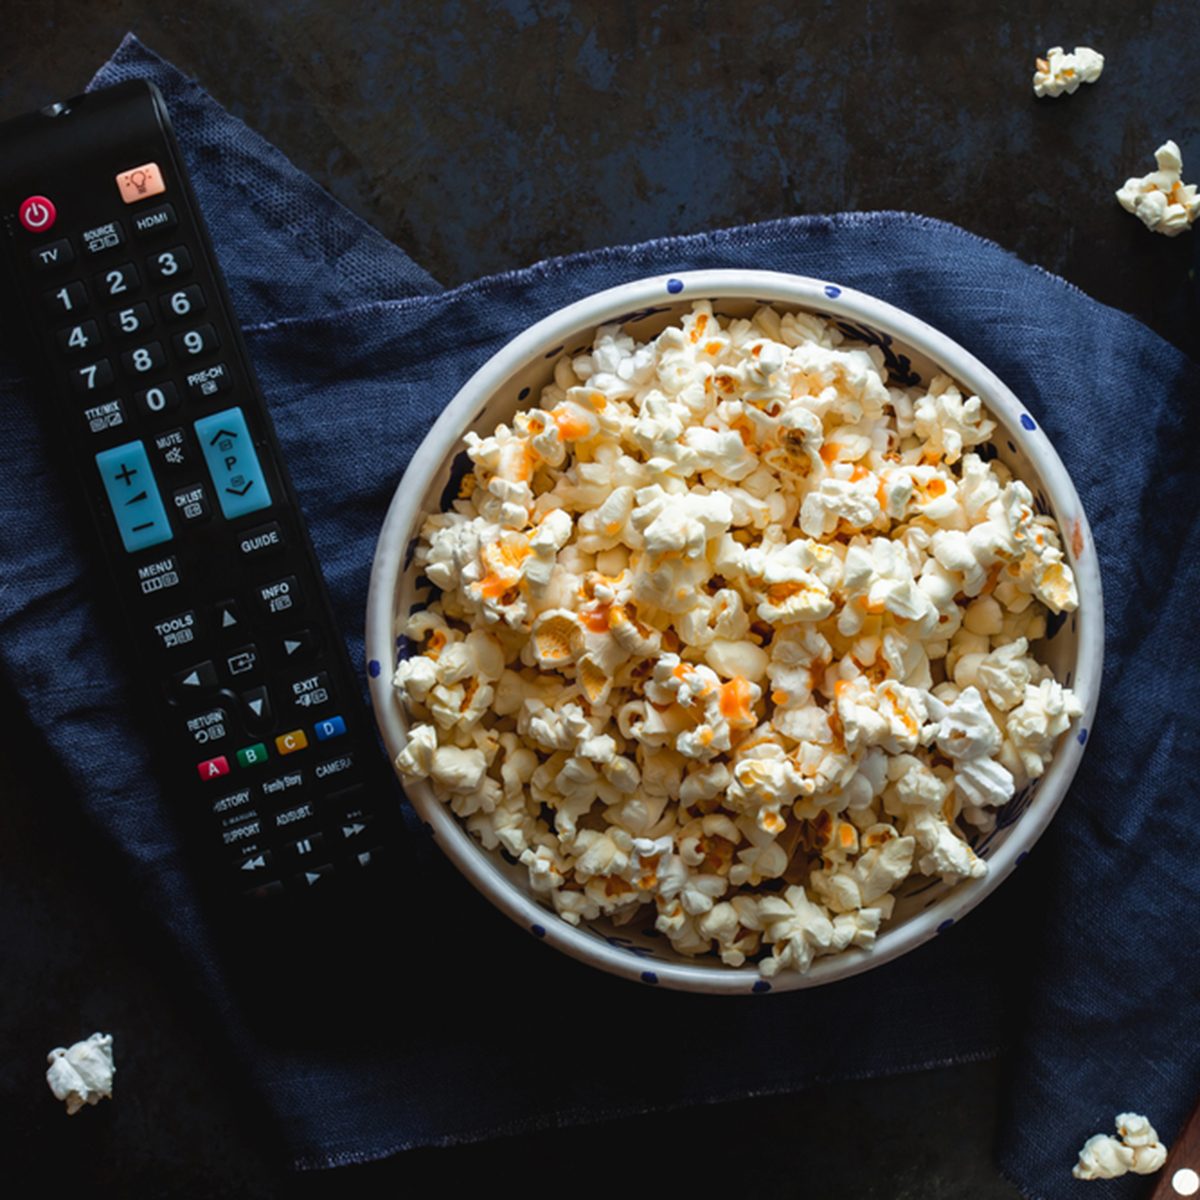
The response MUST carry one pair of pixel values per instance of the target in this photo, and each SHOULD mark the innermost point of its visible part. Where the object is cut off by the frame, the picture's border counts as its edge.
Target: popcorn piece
(1059, 72)
(1161, 200)
(83, 1073)
(1138, 1150)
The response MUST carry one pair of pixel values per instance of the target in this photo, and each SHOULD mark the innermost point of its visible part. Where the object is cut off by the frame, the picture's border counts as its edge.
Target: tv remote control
(158, 416)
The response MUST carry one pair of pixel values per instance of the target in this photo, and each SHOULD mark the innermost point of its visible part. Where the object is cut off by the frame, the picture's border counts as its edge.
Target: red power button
(37, 213)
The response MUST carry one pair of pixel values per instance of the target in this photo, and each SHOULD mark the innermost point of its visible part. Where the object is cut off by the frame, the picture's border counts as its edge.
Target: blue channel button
(330, 728)
(133, 495)
(229, 454)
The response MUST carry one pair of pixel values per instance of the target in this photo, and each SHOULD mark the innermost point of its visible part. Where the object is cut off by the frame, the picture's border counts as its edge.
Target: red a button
(213, 768)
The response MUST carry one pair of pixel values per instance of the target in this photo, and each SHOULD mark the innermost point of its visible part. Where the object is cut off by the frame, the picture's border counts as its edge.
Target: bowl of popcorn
(735, 631)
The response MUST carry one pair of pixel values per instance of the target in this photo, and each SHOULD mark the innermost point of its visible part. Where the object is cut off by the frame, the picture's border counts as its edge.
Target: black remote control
(160, 419)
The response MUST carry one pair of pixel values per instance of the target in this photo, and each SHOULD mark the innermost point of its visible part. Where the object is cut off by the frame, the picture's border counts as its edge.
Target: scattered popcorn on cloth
(1136, 1149)
(83, 1073)
(1161, 200)
(735, 635)
(1060, 72)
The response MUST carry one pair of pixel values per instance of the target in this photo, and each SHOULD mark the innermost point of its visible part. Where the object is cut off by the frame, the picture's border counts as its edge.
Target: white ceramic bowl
(510, 380)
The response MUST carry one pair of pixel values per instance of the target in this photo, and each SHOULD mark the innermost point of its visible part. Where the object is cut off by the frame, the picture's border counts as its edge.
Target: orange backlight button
(139, 182)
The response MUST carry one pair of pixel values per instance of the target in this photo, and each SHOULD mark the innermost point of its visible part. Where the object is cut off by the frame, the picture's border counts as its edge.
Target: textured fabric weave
(1083, 966)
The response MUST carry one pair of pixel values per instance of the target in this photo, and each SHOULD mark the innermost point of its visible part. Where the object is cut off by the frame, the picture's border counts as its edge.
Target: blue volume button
(133, 495)
(229, 454)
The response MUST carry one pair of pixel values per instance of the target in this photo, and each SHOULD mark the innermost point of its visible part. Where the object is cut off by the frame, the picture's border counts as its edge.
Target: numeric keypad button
(195, 343)
(143, 359)
(75, 339)
(125, 322)
(118, 282)
(169, 265)
(182, 303)
(159, 399)
(93, 377)
(66, 300)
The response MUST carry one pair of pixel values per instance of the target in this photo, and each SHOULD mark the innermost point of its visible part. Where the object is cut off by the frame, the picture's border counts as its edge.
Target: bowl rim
(601, 307)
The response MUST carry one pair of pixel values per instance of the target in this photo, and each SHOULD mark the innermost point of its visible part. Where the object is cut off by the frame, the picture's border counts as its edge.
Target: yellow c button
(288, 743)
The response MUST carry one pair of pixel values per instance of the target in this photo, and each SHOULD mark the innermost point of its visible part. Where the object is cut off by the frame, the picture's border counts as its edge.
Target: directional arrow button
(299, 646)
(195, 679)
(257, 703)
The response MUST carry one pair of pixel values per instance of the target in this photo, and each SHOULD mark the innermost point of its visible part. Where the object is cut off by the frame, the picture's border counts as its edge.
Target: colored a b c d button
(331, 728)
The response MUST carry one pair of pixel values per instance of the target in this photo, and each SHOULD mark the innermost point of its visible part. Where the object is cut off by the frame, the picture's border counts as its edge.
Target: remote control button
(191, 503)
(243, 661)
(252, 756)
(159, 575)
(232, 462)
(265, 892)
(299, 646)
(37, 213)
(143, 359)
(77, 338)
(186, 302)
(169, 264)
(104, 237)
(256, 864)
(246, 832)
(178, 630)
(209, 382)
(257, 705)
(356, 833)
(212, 725)
(171, 448)
(274, 599)
(159, 399)
(155, 220)
(289, 743)
(213, 768)
(195, 343)
(308, 849)
(125, 322)
(69, 298)
(261, 542)
(294, 815)
(133, 496)
(92, 378)
(233, 802)
(52, 255)
(334, 768)
(368, 858)
(348, 805)
(118, 281)
(200, 678)
(282, 784)
(228, 616)
(313, 875)
(331, 727)
(139, 183)
(310, 692)
(102, 417)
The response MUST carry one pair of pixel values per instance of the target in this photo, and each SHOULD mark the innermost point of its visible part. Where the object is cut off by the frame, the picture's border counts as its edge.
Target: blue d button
(330, 728)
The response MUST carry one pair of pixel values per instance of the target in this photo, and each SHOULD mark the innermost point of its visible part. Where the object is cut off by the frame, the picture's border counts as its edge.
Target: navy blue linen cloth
(430, 1019)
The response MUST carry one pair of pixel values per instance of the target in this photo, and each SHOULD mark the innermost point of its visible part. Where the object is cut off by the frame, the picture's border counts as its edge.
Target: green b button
(250, 756)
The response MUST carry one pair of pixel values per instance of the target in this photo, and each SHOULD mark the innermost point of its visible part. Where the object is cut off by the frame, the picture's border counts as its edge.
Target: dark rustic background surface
(482, 136)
